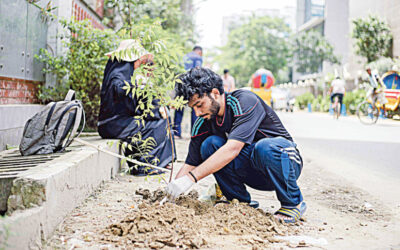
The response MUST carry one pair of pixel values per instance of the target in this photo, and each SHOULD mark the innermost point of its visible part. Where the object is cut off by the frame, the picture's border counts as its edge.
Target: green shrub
(353, 99)
(80, 67)
(315, 104)
(321, 103)
(303, 100)
(325, 104)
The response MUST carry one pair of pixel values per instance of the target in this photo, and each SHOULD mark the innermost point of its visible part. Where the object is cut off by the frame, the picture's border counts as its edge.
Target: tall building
(333, 19)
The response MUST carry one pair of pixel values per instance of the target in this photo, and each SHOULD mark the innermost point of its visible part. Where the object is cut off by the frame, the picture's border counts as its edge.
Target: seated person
(117, 111)
(378, 88)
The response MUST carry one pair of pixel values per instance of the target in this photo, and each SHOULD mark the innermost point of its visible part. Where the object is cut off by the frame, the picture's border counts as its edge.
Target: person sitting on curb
(117, 110)
(239, 139)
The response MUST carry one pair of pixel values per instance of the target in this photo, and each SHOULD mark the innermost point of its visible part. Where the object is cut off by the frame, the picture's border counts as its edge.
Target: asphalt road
(366, 155)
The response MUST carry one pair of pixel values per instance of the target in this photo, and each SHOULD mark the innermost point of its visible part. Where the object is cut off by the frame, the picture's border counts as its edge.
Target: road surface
(366, 155)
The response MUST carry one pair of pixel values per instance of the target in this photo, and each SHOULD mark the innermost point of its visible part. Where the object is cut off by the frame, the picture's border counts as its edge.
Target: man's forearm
(184, 170)
(218, 160)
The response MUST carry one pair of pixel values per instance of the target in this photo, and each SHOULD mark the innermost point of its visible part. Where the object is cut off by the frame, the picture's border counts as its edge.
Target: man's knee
(267, 152)
(264, 149)
(210, 145)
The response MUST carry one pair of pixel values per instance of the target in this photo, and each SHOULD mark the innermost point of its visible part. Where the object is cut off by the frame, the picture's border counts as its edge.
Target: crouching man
(239, 139)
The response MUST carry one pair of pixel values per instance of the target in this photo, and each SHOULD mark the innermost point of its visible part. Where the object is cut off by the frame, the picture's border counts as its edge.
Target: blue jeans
(269, 164)
(178, 116)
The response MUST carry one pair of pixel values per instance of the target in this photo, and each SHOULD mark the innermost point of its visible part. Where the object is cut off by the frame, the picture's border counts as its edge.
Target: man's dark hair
(198, 81)
(226, 71)
(197, 48)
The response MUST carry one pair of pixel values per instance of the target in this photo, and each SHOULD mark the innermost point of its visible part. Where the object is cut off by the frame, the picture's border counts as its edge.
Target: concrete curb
(42, 196)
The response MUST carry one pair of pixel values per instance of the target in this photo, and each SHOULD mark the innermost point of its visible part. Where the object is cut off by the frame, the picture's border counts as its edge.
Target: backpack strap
(51, 111)
(80, 116)
(70, 95)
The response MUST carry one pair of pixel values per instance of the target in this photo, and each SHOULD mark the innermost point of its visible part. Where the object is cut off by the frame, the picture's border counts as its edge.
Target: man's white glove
(179, 186)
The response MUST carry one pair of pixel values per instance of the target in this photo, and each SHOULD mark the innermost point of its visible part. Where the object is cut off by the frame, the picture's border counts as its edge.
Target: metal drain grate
(13, 163)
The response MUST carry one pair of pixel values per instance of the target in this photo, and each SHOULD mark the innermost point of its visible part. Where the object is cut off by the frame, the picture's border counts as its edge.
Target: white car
(282, 99)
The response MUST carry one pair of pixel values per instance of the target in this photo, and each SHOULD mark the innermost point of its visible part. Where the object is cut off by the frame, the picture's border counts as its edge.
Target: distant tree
(311, 49)
(373, 38)
(261, 42)
(175, 15)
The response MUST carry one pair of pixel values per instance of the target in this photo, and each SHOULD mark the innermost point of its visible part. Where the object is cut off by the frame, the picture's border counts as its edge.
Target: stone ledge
(42, 196)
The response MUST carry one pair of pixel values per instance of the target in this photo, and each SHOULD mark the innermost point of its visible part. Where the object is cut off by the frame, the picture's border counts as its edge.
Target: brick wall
(17, 91)
(80, 13)
(20, 91)
(100, 8)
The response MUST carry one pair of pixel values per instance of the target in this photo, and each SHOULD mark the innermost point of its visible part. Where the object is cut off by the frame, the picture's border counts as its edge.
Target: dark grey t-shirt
(247, 118)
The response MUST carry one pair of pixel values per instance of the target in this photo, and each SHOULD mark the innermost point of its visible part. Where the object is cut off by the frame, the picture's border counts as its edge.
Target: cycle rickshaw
(369, 110)
(261, 82)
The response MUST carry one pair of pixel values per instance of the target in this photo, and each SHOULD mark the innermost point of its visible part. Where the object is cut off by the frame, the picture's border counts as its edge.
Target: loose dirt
(189, 223)
(124, 213)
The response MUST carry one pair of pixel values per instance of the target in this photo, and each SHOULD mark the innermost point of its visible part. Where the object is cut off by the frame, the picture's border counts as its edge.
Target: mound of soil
(189, 222)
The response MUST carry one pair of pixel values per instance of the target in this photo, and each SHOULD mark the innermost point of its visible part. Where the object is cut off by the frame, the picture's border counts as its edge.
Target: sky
(209, 15)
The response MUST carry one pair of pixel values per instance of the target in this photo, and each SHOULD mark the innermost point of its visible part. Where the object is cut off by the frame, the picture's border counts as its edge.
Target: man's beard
(214, 108)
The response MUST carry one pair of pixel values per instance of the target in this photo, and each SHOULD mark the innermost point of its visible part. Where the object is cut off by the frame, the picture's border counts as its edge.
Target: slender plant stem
(172, 144)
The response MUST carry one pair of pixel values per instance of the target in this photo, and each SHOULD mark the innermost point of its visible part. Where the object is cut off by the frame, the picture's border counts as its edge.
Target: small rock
(104, 247)
(302, 243)
(258, 239)
(325, 223)
(156, 245)
(367, 206)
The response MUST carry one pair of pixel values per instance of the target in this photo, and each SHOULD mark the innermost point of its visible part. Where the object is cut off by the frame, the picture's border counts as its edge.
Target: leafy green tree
(170, 12)
(261, 42)
(161, 77)
(311, 49)
(80, 67)
(373, 38)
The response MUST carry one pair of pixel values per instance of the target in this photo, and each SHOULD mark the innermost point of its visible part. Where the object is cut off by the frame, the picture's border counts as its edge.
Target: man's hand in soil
(179, 186)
